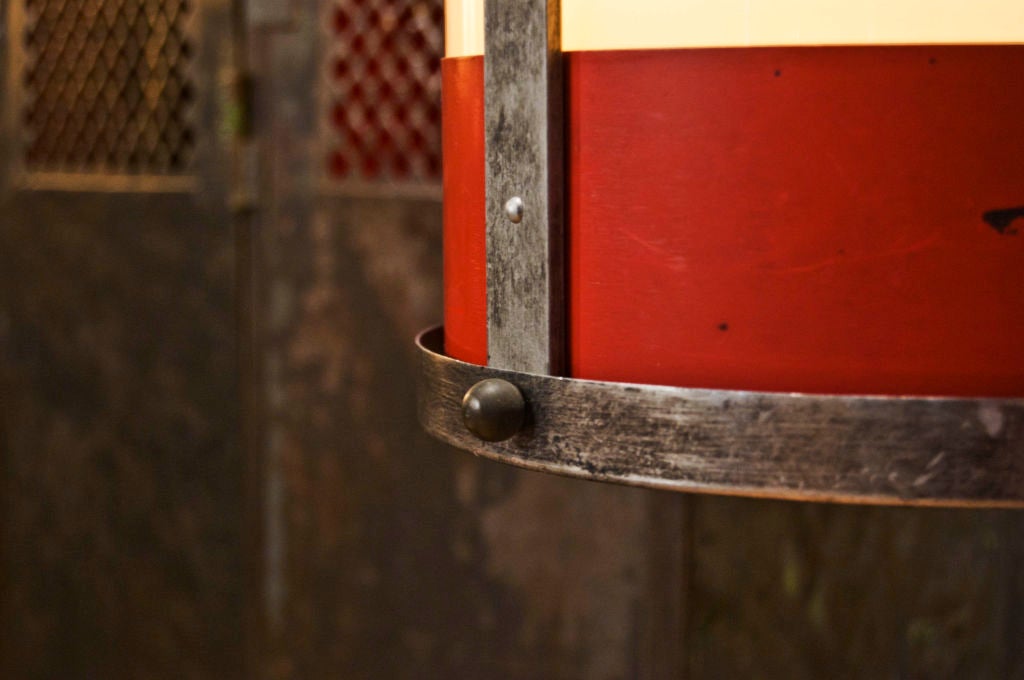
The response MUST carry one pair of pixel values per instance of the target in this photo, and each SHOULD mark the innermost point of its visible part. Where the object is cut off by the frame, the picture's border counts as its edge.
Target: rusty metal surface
(384, 553)
(121, 496)
(791, 590)
(121, 490)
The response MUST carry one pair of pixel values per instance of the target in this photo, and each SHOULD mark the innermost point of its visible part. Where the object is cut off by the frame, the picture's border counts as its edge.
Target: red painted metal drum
(841, 219)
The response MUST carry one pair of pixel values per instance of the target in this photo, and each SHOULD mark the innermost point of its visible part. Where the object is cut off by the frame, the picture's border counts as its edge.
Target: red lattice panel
(385, 88)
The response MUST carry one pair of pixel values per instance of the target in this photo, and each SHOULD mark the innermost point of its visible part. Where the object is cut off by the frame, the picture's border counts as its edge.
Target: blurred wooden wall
(211, 466)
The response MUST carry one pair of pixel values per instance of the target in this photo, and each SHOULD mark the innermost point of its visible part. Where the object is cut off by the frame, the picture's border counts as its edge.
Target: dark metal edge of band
(853, 449)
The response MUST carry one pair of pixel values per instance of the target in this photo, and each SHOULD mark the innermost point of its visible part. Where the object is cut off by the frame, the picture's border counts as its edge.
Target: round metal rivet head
(514, 210)
(493, 410)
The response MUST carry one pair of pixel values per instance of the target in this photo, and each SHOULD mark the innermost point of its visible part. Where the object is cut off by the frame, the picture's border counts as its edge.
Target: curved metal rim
(853, 449)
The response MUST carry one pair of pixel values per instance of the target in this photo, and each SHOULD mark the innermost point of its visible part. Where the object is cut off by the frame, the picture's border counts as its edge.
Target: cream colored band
(651, 24)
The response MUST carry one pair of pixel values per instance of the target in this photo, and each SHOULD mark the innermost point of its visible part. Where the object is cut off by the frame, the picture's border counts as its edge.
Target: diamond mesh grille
(384, 87)
(107, 86)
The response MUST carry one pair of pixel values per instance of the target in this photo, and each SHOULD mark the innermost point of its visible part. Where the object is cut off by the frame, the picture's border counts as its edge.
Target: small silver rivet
(514, 210)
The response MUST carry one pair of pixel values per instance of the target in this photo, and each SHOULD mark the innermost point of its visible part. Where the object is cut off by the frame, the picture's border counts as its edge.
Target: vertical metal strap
(525, 234)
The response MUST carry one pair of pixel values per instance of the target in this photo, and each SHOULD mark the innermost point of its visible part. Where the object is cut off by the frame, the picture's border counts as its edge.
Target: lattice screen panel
(107, 86)
(384, 90)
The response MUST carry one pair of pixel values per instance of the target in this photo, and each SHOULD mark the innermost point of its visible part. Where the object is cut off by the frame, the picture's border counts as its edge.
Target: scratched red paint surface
(465, 246)
(805, 219)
